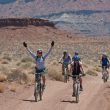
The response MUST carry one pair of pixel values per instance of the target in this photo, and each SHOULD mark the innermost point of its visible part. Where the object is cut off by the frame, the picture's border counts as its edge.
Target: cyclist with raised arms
(40, 60)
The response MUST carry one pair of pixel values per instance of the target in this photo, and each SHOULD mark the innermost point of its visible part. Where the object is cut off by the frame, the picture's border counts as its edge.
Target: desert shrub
(97, 69)
(3, 77)
(18, 63)
(6, 57)
(4, 69)
(18, 75)
(13, 88)
(85, 65)
(55, 74)
(26, 65)
(26, 59)
(4, 62)
(91, 72)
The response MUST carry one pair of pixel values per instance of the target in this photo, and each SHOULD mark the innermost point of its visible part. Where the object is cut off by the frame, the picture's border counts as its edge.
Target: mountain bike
(66, 74)
(105, 74)
(38, 87)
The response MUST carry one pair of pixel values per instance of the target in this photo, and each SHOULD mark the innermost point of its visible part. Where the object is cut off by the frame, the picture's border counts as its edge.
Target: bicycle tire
(36, 93)
(105, 78)
(65, 75)
(77, 94)
(40, 92)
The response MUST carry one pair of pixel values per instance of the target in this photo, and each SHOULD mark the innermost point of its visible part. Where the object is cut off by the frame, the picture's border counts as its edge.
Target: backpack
(38, 57)
(76, 70)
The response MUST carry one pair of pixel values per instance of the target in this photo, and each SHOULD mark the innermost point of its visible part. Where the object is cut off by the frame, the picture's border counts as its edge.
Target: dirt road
(58, 96)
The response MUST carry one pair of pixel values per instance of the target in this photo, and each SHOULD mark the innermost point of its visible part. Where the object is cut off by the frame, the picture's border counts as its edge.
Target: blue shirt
(40, 61)
(105, 61)
(66, 59)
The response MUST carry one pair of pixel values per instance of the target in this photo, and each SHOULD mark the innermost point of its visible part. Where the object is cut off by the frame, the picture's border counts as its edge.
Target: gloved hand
(52, 43)
(24, 44)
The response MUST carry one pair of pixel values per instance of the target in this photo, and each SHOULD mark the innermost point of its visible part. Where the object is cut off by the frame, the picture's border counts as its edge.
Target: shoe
(81, 88)
(62, 73)
(73, 95)
(43, 86)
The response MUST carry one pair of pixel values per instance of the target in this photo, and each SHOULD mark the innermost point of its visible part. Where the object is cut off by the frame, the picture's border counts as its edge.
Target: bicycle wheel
(105, 77)
(77, 93)
(36, 93)
(65, 76)
(40, 91)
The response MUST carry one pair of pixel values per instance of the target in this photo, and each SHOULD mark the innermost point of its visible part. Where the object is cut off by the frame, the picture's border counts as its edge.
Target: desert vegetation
(16, 65)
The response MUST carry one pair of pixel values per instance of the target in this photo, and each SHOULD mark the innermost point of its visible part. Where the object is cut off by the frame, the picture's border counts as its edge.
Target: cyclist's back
(104, 61)
(76, 68)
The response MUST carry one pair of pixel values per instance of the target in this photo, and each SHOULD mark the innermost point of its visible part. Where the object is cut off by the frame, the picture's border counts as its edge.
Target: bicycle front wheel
(40, 91)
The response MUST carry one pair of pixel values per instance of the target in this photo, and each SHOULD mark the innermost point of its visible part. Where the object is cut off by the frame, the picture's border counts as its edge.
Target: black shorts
(74, 75)
(104, 66)
(39, 71)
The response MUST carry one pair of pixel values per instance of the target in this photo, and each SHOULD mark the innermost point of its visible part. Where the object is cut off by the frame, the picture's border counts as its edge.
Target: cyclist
(40, 60)
(76, 69)
(104, 63)
(65, 60)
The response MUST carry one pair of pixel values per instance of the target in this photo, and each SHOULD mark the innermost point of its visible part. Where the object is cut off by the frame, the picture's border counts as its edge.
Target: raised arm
(46, 55)
(31, 53)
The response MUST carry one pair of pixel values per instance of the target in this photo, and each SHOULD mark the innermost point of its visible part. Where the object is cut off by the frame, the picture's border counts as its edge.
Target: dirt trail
(57, 96)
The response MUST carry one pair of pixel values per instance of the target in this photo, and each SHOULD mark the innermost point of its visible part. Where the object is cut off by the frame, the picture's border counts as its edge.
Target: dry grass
(27, 65)
(26, 59)
(4, 69)
(7, 57)
(97, 69)
(85, 65)
(18, 75)
(54, 71)
(18, 63)
(5, 62)
(3, 77)
(13, 88)
(92, 72)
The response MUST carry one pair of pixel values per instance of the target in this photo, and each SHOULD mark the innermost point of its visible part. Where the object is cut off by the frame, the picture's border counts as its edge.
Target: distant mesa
(6, 1)
(26, 1)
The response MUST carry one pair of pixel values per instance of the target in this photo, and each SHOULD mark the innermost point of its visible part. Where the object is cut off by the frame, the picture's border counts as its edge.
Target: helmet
(39, 51)
(65, 51)
(76, 53)
(76, 58)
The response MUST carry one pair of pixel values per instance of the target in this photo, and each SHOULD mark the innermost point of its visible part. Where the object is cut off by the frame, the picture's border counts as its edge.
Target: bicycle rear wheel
(77, 93)
(65, 76)
(36, 93)
(105, 77)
